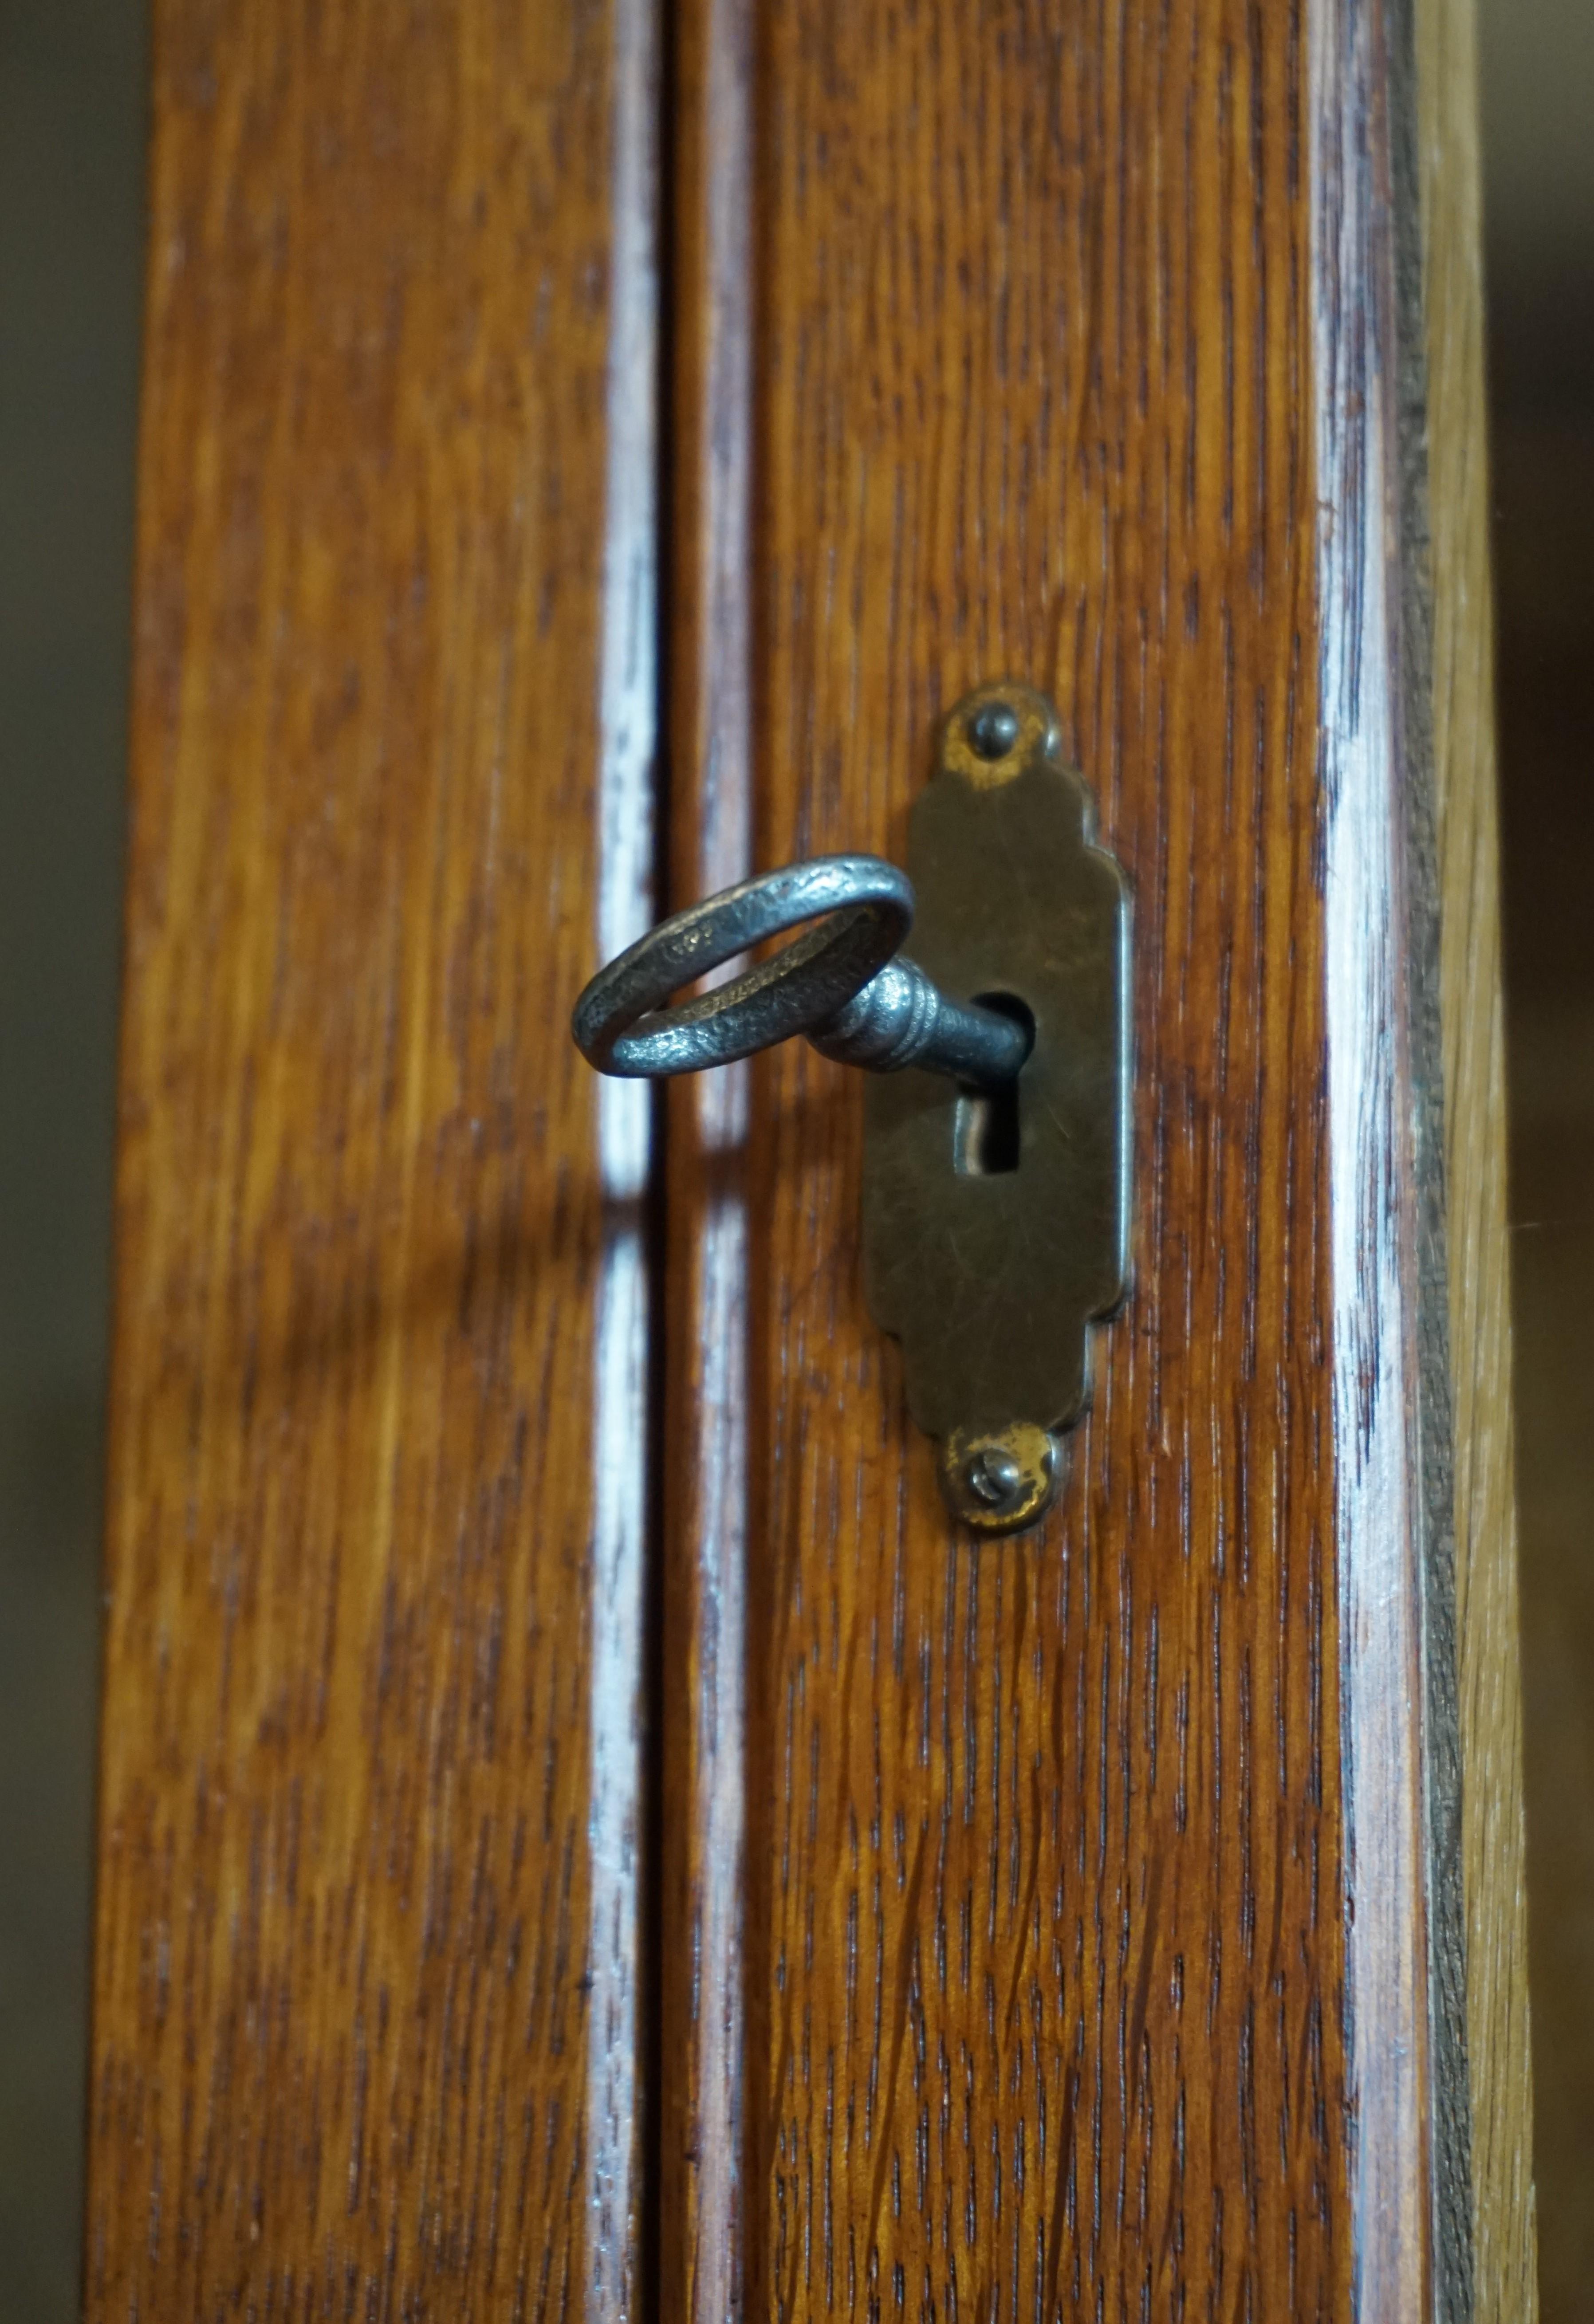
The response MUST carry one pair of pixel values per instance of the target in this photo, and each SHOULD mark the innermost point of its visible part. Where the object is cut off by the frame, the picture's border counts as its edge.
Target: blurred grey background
(1537, 62)
(72, 96)
(72, 127)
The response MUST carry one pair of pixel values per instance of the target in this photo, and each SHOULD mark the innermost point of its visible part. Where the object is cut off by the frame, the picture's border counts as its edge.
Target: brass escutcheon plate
(997, 1231)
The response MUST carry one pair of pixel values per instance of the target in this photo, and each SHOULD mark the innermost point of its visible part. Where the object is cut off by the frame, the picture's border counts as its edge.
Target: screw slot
(1001, 1479)
(993, 1475)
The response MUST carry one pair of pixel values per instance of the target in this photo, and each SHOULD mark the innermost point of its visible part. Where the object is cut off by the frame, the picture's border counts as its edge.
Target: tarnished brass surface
(990, 1279)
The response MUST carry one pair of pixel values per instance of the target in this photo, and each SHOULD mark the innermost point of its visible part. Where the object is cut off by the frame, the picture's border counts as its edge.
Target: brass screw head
(993, 1474)
(998, 1480)
(995, 733)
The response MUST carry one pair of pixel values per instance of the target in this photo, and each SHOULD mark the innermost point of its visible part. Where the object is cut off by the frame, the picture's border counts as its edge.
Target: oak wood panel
(364, 1997)
(1045, 1930)
(1082, 353)
(1464, 765)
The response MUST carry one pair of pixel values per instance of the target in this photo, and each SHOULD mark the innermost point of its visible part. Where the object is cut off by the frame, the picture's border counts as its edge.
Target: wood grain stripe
(623, 1322)
(708, 1545)
(1373, 1192)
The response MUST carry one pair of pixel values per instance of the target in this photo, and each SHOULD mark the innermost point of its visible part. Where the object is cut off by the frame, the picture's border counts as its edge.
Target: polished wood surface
(1076, 359)
(1464, 766)
(1044, 1950)
(1059, 1927)
(709, 1549)
(365, 2000)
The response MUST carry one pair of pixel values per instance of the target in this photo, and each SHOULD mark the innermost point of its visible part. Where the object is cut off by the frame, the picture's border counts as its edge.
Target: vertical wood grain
(365, 2002)
(623, 1322)
(707, 1545)
(1079, 357)
(1051, 1904)
(1464, 763)
(1373, 756)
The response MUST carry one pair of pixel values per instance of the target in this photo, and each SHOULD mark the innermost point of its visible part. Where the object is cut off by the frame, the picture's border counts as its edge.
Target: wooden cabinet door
(581, 1830)
(367, 1983)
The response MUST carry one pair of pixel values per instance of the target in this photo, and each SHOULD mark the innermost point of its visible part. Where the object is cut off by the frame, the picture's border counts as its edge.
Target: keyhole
(986, 1127)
